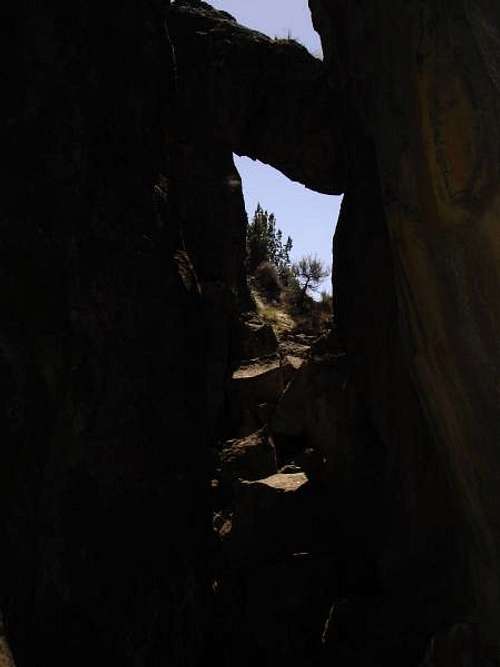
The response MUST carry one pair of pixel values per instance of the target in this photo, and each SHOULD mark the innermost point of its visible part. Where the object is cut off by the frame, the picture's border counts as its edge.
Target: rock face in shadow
(122, 340)
(117, 312)
(317, 408)
(263, 98)
(249, 458)
(123, 264)
(421, 89)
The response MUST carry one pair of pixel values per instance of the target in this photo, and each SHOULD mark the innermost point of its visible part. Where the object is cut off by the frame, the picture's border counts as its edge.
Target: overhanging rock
(265, 98)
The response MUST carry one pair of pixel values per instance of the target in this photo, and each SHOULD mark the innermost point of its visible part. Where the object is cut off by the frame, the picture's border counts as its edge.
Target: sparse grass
(286, 318)
(282, 322)
(274, 314)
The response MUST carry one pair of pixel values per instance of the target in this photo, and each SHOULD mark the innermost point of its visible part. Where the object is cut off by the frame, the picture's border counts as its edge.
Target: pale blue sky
(308, 217)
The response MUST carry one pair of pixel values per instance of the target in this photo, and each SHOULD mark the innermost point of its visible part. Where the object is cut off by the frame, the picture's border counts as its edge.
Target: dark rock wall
(410, 521)
(122, 262)
(420, 81)
(115, 329)
(213, 222)
(261, 97)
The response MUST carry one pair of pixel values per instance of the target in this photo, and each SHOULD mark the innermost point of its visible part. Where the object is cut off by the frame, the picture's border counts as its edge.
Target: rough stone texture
(316, 408)
(280, 575)
(123, 243)
(291, 347)
(115, 331)
(273, 518)
(254, 383)
(212, 216)
(263, 98)
(122, 261)
(417, 526)
(6, 659)
(250, 458)
(420, 90)
(262, 526)
(256, 338)
(261, 378)
(291, 365)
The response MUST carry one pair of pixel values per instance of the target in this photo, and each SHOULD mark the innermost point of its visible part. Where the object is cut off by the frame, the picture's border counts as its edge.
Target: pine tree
(265, 243)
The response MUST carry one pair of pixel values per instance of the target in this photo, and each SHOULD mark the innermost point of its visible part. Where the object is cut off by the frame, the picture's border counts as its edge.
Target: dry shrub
(268, 281)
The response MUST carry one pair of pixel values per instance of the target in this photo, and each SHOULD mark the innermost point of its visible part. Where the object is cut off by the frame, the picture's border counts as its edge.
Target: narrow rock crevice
(181, 484)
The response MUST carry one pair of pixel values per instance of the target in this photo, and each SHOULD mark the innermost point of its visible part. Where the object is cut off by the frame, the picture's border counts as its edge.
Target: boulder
(276, 517)
(259, 381)
(280, 573)
(256, 338)
(291, 347)
(254, 383)
(316, 410)
(266, 518)
(291, 365)
(249, 458)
